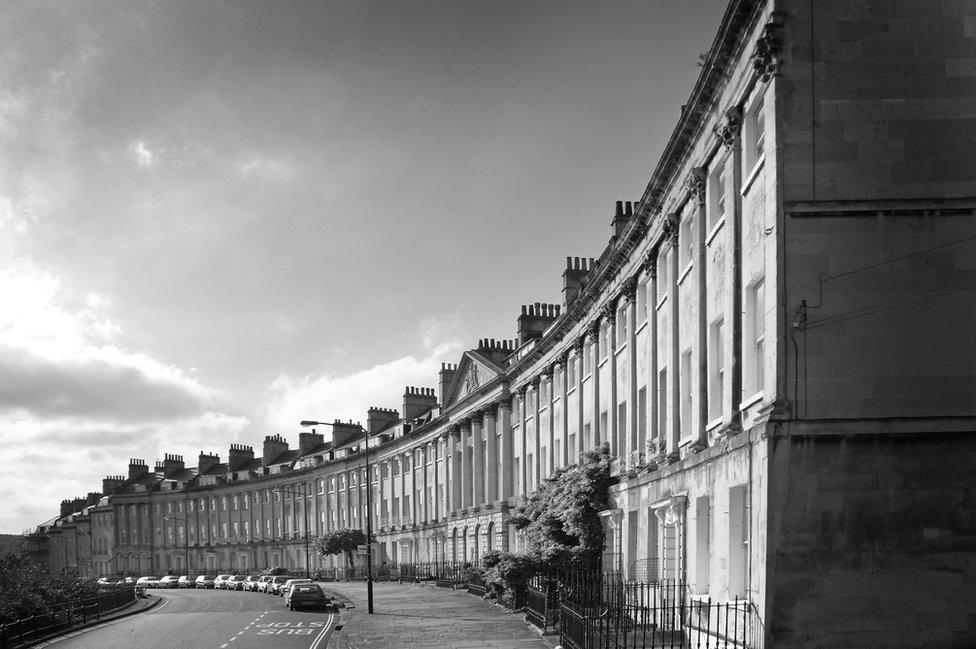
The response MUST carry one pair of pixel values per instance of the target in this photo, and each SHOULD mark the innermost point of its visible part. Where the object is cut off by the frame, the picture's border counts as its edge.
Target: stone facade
(778, 345)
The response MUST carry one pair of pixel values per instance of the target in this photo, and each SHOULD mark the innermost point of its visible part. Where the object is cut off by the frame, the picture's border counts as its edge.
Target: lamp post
(369, 513)
(186, 540)
(302, 493)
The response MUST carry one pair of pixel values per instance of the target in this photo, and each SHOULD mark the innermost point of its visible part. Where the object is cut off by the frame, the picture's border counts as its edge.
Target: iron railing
(542, 601)
(605, 612)
(27, 630)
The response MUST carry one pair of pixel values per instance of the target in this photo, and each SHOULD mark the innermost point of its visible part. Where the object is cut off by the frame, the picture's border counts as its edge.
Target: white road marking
(322, 633)
(156, 608)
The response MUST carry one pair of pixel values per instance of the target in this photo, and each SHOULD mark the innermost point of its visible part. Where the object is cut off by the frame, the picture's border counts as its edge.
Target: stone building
(777, 344)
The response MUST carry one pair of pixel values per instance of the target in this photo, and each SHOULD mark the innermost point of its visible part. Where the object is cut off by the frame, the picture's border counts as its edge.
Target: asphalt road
(204, 619)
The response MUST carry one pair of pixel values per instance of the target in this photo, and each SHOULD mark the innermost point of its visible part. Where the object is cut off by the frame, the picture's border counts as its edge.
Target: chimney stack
(238, 455)
(417, 401)
(496, 350)
(444, 379)
(78, 504)
(574, 277)
(308, 441)
(535, 319)
(274, 446)
(111, 483)
(137, 468)
(93, 498)
(172, 464)
(345, 432)
(66, 508)
(207, 461)
(379, 418)
(622, 214)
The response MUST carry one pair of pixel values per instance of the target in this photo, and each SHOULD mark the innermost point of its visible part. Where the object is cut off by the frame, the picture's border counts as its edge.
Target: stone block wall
(872, 539)
(889, 329)
(879, 99)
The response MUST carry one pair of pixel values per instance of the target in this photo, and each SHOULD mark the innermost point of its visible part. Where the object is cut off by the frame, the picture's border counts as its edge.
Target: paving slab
(423, 616)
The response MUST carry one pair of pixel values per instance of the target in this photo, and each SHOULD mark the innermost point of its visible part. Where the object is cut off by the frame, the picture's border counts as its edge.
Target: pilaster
(508, 452)
(465, 438)
(478, 460)
(491, 435)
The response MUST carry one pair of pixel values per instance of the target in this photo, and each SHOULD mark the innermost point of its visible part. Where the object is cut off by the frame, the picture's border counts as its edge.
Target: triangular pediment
(474, 371)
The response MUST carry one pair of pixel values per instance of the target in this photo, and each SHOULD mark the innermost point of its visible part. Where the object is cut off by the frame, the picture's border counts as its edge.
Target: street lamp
(308, 572)
(186, 540)
(369, 513)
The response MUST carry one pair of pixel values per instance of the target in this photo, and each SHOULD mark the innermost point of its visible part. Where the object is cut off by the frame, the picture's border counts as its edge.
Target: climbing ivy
(560, 525)
(560, 520)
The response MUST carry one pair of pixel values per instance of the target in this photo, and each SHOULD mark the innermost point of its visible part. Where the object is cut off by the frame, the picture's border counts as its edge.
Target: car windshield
(280, 580)
(307, 588)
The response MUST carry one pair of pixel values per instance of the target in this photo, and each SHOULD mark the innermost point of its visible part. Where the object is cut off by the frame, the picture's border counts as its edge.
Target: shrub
(28, 587)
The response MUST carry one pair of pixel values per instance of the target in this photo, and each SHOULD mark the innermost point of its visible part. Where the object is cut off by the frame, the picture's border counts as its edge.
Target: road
(202, 619)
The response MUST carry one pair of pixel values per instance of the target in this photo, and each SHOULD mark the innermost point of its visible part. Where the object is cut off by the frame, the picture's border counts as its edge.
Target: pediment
(473, 371)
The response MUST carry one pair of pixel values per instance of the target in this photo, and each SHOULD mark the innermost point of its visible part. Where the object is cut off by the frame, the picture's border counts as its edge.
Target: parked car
(205, 581)
(168, 581)
(305, 595)
(251, 583)
(235, 583)
(187, 581)
(221, 581)
(147, 582)
(271, 586)
(261, 583)
(283, 588)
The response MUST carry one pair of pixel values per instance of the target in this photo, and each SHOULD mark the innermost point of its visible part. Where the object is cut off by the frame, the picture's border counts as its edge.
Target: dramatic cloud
(60, 362)
(74, 405)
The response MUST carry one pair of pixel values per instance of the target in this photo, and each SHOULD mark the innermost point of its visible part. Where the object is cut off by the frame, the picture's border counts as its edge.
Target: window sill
(685, 441)
(756, 168)
(685, 272)
(715, 230)
(619, 350)
(752, 400)
(715, 423)
(641, 326)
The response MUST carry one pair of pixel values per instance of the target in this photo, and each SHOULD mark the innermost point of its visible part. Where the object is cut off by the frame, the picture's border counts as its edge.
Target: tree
(341, 541)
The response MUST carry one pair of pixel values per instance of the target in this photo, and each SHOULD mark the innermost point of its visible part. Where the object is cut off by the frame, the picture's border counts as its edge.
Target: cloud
(275, 169)
(56, 361)
(75, 404)
(74, 455)
(290, 399)
(142, 155)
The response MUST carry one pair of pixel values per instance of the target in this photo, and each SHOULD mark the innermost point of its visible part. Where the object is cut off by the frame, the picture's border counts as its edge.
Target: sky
(218, 218)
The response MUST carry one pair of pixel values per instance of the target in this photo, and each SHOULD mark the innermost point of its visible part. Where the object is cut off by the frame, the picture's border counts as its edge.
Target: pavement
(423, 616)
